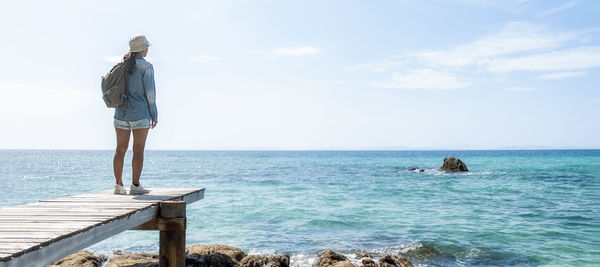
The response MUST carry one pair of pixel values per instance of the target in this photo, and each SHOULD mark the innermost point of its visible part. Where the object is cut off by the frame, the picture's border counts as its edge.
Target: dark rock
(134, 260)
(197, 260)
(368, 262)
(82, 258)
(453, 164)
(416, 170)
(393, 261)
(331, 259)
(265, 261)
(206, 260)
(217, 255)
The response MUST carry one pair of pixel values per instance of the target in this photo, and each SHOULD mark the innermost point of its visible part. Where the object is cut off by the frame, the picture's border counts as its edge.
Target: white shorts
(132, 125)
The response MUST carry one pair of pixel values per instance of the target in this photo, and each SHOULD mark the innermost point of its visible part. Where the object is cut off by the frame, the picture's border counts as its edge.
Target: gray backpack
(114, 87)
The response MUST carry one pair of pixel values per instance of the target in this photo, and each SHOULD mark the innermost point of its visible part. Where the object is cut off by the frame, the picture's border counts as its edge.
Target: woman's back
(141, 95)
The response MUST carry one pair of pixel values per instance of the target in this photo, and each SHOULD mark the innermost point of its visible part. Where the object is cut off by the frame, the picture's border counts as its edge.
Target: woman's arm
(149, 87)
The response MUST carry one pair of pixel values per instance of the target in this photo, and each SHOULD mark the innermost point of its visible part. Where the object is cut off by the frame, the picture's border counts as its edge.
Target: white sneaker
(120, 190)
(138, 190)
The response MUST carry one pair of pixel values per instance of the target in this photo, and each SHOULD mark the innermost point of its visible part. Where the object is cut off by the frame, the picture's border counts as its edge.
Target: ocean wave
(437, 172)
(420, 253)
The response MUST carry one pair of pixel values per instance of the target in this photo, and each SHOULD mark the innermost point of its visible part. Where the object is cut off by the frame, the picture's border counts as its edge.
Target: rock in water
(332, 259)
(265, 261)
(82, 258)
(393, 261)
(216, 255)
(134, 260)
(453, 164)
(368, 262)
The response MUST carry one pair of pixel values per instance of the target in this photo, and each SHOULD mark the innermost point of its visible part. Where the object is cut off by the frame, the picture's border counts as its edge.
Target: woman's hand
(154, 123)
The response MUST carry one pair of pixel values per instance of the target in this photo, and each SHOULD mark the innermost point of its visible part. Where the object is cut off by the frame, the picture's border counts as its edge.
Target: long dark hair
(130, 63)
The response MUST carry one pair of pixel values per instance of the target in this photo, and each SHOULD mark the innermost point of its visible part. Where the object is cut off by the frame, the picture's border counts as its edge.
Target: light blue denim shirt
(141, 95)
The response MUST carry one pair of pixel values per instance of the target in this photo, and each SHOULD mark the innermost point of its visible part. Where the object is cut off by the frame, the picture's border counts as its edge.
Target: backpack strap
(126, 93)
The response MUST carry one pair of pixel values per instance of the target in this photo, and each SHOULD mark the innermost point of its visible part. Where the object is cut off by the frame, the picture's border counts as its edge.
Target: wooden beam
(163, 224)
(172, 239)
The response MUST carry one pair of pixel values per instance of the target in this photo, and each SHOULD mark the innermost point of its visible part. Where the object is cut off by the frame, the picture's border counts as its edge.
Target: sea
(513, 208)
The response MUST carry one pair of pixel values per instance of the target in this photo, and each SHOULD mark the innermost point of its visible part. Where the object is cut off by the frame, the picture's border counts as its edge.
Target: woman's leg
(139, 142)
(122, 143)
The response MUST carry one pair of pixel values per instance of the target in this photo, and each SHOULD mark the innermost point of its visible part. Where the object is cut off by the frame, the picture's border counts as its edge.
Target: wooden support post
(172, 233)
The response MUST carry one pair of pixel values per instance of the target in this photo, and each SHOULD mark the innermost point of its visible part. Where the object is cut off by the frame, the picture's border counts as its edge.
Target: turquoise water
(513, 208)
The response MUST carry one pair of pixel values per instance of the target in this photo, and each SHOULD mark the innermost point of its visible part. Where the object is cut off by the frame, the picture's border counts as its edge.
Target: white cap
(138, 43)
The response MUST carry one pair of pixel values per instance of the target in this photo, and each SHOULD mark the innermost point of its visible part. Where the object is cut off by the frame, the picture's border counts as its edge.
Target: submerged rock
(134, 260)
(416, 170)
(82, 258)
(265, 261)
(331, 259)
(393, 261)
(453, 164)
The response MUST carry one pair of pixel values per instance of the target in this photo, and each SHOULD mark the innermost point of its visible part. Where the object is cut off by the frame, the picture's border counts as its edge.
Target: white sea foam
(302, 260)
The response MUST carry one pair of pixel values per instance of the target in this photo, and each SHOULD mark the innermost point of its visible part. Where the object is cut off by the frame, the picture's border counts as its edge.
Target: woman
(137, 115)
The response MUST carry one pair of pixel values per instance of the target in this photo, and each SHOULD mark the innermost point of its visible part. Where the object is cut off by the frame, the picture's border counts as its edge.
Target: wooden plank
(40, 213)
(88, 205)
(23, 240)
(19, 246)
(63, 208)
(80, 221)
(61, 220)
(10, 251)
(37, 230)
(33, 234)
(27, 225)
(83, 200)
(64, 213)
(23, 218)
(69, 244)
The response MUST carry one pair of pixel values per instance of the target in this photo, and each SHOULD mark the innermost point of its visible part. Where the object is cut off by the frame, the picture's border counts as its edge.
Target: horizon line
(319, 149)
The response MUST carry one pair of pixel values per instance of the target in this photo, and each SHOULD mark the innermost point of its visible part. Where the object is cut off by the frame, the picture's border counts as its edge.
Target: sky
(427, 74)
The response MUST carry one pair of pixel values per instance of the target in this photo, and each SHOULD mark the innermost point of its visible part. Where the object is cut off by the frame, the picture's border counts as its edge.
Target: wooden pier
(40, 233)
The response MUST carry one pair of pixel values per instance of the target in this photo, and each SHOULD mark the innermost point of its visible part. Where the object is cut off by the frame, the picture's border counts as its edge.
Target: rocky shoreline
(226, 256)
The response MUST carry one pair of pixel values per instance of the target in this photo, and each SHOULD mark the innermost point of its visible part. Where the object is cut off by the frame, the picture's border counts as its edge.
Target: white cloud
(571, 59)
(204, 58)
(517, 46)
(422, 79)
(515, 37)
(520, 89)
(561, 75)
(316, 83)
(378, 66)
(294, 51)
(558, 9)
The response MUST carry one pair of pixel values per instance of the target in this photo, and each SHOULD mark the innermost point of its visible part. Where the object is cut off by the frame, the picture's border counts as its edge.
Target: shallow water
(512, 208)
